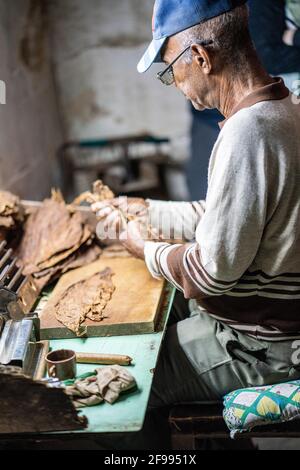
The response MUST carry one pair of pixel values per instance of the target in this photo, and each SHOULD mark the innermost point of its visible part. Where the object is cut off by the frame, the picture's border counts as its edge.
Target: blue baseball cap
(172, 16)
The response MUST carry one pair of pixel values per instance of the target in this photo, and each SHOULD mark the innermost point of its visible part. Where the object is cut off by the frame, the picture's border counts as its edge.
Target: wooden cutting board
(134, 307)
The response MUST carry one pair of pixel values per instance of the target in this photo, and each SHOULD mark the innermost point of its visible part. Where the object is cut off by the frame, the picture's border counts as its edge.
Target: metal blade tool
(19, 328)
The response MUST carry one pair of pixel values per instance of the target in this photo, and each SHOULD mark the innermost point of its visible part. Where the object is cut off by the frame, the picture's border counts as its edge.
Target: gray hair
(230, 35)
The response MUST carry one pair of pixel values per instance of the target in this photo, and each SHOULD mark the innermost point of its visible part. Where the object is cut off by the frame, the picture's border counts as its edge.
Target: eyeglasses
(166, 76)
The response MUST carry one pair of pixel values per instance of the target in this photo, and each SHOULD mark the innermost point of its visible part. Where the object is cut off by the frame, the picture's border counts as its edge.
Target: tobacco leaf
(85, 256)
(11, 210)
(60, 256)
(7, 221)
(51, 233)
(85, 299)
(99, 193)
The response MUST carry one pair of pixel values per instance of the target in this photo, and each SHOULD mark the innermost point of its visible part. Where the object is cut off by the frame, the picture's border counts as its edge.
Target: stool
(190, 423)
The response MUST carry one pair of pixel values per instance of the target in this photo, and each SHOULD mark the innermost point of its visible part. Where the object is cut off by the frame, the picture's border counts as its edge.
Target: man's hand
(131, 205)
(115, 213)
(132, 239)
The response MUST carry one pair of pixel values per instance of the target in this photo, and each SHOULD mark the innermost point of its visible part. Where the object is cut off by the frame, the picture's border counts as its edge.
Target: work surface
(134, 307)
(128, 413)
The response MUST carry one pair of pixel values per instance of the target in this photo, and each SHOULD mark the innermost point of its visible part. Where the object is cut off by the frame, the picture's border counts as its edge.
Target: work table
(128, 413)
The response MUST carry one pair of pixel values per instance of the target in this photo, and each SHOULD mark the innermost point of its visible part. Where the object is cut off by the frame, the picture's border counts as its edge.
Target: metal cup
(61, 364)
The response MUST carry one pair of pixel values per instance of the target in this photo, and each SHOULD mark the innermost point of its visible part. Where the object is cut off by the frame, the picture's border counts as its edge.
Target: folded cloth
(105, 385)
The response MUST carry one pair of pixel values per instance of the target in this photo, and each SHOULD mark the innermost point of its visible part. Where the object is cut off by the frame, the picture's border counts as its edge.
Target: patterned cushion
(250, 407)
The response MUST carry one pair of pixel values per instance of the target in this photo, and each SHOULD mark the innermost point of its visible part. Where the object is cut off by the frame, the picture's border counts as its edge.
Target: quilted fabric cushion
(246, 408)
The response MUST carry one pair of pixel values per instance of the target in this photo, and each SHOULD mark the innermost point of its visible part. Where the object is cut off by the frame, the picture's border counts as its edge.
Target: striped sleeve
(176, 220)
(182, 266)
(229, 234)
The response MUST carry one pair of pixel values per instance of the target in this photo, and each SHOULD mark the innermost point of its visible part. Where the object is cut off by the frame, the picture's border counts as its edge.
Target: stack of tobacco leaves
(56, 239)
(11, 213)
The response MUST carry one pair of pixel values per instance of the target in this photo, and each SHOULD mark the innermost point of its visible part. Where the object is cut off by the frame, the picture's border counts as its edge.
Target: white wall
(30, 131)
(96, 46)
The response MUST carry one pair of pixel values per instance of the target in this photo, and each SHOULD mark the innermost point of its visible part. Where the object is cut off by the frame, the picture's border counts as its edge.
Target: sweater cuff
(150, 252)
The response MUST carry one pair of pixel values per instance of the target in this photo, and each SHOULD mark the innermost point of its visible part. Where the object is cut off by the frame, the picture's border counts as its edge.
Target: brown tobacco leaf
(11, 210)
(52, 233)
(100, 192)
(7, 221)
(85, 255)
(56, 238)
(60, 256)
(85, 299)
(56, 195)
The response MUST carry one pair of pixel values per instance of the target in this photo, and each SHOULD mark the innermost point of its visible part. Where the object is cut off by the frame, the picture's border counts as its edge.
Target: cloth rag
(105, 385)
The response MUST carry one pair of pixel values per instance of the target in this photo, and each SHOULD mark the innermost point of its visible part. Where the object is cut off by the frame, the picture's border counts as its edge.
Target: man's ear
(202, 57)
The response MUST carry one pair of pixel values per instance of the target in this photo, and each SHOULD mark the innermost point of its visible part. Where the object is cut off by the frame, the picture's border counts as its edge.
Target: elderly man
(240, 267)
(271, 39)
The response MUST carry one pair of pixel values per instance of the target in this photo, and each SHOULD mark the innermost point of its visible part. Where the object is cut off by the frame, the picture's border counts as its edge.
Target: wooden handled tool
(106, 359)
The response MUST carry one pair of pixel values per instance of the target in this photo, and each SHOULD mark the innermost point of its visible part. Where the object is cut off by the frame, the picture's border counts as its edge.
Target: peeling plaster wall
(96, 47)
(30, 129)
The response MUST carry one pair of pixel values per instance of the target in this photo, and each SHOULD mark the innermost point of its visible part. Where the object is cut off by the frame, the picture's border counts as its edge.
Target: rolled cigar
(106, 359)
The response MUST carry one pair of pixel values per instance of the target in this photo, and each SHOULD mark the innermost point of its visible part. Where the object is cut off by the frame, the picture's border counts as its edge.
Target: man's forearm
(175, 220)
(182, 266)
